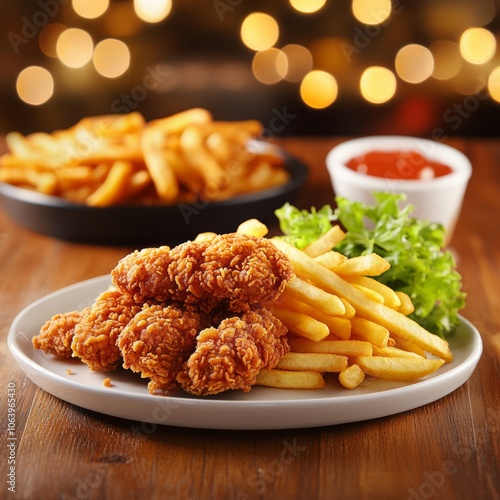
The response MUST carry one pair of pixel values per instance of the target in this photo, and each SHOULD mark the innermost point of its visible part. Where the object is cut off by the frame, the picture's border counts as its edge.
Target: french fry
(316, 297)
(394, 352)
(332, 260)
(370, 293)
(253, 227)
(351, 377)
(288, 379)
(403, 369)
(308, 269)
(160, 170)
(409, 346)
(391, 298)
(370, 331)
(339, 326)
(198, 156)
(139, 181)
(313, 361)
(325, 242)
(112, 189)
(406, 306)
(350, 312)
(178, 122)
(184, 156)
(365, 265)
(340, 347)
(301, 324)
(207, 236)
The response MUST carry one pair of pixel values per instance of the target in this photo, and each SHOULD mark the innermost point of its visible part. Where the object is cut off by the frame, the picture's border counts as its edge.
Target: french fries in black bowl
(119, 180)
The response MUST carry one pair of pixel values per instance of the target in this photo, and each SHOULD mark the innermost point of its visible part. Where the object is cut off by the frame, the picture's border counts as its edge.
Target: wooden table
(448, 449)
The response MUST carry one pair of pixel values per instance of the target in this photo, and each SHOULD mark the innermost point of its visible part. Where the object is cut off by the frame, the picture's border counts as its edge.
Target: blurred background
(301, 67)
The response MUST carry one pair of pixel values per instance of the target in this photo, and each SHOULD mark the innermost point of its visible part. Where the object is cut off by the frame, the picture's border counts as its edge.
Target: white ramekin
(436, 200)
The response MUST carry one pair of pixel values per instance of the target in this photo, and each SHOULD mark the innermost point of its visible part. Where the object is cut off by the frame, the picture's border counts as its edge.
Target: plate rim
(457, 375)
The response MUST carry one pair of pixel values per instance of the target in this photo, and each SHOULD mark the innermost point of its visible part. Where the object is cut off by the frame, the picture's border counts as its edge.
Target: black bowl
(138, 225)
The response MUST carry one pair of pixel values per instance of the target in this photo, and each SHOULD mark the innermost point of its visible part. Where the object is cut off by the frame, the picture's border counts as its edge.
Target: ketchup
(398, 165)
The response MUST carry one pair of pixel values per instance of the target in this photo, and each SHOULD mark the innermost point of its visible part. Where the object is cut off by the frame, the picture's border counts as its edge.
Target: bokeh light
(371, 11)
(414, 63)
(47, 40)
(307, 6)
(269, 66)
(494, 84)
(90, 9)
(477, 45)
(111, 58)
(259, 31)
(74, 47)
(299, 62)
(35, 85)
(152, 11)
(447, 59)
(377, 84)
(318, 89)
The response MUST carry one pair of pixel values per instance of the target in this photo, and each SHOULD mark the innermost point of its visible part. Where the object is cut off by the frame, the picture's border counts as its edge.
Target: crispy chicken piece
(94, 341)
(56, 334)
(230, 356)
(233, 271)
(158, 340)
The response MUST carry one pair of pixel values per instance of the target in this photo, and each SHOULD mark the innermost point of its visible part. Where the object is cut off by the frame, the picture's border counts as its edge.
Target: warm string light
(90, 9)
(377, 84)
(35, 85)
(152, 11)
(319, 69)
(111, 58)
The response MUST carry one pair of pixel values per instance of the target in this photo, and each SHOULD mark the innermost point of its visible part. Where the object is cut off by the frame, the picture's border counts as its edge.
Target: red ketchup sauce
(408, 165)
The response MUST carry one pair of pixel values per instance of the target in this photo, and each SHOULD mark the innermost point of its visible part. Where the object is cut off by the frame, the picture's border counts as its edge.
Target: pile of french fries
(116, 159)
(341, 320)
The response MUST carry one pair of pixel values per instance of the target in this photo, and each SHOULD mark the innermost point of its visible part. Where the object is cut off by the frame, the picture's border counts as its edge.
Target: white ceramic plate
(261, 408)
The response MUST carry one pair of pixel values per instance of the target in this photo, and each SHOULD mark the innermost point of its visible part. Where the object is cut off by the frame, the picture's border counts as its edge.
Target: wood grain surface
(449, 449)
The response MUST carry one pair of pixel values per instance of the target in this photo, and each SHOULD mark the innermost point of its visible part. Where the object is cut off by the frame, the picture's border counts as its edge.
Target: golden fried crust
(56, 334)
(158, 340)
(230, 356)
(239, 271)
(94, 341)
(234, 271)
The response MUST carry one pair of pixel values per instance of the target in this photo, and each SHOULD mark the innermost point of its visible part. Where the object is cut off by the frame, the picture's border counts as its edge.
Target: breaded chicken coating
(230, 356)
(158, 340)
(233, 271)
(94, 341)
(56, 334)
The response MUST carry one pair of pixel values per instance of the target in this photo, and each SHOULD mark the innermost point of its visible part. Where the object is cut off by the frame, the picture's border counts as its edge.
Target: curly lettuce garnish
(420, 266)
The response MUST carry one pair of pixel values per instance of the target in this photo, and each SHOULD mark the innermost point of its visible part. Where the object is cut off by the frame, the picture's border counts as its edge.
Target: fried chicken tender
(95, 336)
(233, 271)
(57, 333)
(158, 340)
(230, 356)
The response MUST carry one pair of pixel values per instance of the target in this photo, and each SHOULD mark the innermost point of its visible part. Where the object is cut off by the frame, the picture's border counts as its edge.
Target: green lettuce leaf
(301, 227)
